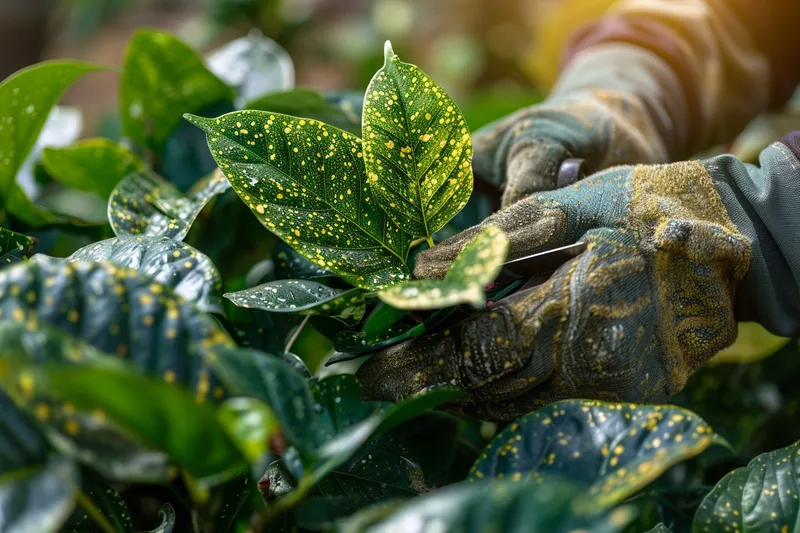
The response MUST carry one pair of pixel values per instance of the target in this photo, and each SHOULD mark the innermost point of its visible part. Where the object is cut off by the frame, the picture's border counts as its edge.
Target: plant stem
(430, 241)
(94, 513)
(296, 333)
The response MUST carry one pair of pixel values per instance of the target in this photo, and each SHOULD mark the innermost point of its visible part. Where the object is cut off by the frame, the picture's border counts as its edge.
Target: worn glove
(603, 111)
(648, 302)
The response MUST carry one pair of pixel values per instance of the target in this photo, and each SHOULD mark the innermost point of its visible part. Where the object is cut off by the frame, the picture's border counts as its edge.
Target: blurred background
(492, 57)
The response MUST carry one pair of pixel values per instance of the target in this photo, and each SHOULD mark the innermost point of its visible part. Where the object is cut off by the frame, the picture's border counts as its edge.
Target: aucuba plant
(168, 297)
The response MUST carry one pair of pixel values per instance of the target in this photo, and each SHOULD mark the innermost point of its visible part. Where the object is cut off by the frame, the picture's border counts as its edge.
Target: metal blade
(538, 264)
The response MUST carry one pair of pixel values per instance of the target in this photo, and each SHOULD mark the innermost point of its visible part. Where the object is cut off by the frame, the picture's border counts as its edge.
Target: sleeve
(732, 59)
(764, 203)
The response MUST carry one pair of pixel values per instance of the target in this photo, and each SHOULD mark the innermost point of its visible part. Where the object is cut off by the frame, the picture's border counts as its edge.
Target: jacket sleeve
(731, 59)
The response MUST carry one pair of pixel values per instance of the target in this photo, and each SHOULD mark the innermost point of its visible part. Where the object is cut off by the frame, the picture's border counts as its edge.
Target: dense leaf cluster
(127, 378)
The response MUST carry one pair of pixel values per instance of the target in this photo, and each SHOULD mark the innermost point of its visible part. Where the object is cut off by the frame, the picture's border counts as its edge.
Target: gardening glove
(649, 302)
(652, 81)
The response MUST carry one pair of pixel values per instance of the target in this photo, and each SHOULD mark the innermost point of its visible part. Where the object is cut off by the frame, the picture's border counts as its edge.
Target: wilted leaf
(92, 165)
(253, 65)
(162, 416)
(476, 266)
(763, 496)
(305, 181)
(26, 99)
(163, 78)
(417, 148)
(166, 261)
(557, 507)
(38, 488)
(143, 204)
(611, 449)
(303, 297)
(13, 246)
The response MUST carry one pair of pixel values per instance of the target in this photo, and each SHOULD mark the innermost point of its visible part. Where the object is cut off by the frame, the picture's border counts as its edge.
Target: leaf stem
(430, 241)
(94, 513)
(296, 333)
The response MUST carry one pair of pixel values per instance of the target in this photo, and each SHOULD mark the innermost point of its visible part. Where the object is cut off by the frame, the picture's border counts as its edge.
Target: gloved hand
(648, 302)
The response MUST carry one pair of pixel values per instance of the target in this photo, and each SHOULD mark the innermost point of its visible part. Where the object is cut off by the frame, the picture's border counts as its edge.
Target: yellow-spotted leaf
(763, 496)
(173, 263)
(13, 246)
(92, 165)
(143, 204)
(117, 311)
(417, 148)
(305, 181)
(476, 266)
(303, 297)
(611, 449)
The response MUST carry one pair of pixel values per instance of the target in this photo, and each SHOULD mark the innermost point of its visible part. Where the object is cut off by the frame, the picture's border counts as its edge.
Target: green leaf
(107, 500)
(417, 148)
(381, 319)
(253, 65)
(143, 204)
(305, 298)
(660, 528)
(506, 506)
(307, 103)
(92, 165)
(167, 516)
(234, 502)
(250, 423)
(163, 78)
(475, 267)
(611, 449)
(117, 311)
(166, 261)
(763, 496)
(289, 264)
(305, 181)
(13, 247)
(26, 99)
(38, 488)
(160, 415)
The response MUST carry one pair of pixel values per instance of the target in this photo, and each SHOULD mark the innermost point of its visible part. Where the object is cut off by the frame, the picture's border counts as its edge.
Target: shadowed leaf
(476, 266)
(143, 204)
(417, 148)
(305, 181)
(163, 78)
(13, 247)
(611, 449)
(92, 165)
(303, 297)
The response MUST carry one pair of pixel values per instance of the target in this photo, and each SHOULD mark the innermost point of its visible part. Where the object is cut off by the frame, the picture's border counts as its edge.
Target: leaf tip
(200, 122)
(388, 53)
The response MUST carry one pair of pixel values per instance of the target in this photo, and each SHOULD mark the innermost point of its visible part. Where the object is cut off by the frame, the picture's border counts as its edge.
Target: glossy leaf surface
(305, 181)
(417, 148)
(303, 297)
(92, 165)
(613, 450)
(163, 78)
(476, 266)
(143, 204)
(172, 263)
(13, 246)
(763, 496)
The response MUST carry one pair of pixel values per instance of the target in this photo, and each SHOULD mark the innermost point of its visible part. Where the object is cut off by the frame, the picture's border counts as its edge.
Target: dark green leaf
(557, 507)
(38, 488)
(430, 440)
(660, 528)
(250, 423)
(476, 266)
(289, 264)
(611, 449)
(305, 298)
(13, 247)
(118, 311)
(305, 181)
(417, 148)
(234, 502)
(763, 496)
(381, 319)
(167, 516)
(92, 165)
(253, 65)
(672, 506)
(26, 99)
(107, 500)
(307, 103)
(160, 415)
(163, 78)
(166, 261)
(143, 204)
